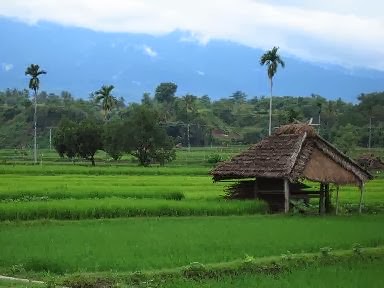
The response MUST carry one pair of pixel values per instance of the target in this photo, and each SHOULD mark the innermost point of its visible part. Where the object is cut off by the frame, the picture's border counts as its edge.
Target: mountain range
(80, 61)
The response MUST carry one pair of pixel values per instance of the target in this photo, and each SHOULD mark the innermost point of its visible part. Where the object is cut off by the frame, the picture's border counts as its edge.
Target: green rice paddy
(54, 221)
(155, 243)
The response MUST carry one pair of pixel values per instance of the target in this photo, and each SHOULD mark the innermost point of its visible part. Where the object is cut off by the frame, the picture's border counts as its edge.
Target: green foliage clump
(195, 270)
(215, 158)
(325, 251)
(78, 139)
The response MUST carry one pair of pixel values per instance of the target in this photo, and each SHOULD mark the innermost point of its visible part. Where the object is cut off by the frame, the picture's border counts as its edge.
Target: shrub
(325, 251)
(215, 158)
(195, 270)
(43, 265)
(356, 248)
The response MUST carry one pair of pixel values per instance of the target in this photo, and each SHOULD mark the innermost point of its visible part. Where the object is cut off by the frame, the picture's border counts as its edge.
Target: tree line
(183, 120)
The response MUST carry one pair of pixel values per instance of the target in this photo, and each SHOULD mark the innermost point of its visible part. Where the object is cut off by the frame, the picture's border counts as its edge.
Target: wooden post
(327, 198)
(321, 200)
(337, 199)
(286, 195)
(361, 197)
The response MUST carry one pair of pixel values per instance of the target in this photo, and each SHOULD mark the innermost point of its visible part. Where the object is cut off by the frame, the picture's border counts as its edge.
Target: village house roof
(294, 151)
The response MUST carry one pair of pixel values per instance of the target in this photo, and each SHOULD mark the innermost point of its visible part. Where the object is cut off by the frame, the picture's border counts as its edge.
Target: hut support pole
(337, 200)
(327, 198)
(286, 195)
(321, 199)
(361, 197)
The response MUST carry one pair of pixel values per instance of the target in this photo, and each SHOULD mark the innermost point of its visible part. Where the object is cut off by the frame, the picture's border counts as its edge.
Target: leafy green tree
(146, 139)
(34, 84)
(346, 138)
(239, 97)
(272, 60)
(165, 96)
(113, 141)
(65, 139)
(165, 92)
(78, 139)
(89, 139)
(107, 100)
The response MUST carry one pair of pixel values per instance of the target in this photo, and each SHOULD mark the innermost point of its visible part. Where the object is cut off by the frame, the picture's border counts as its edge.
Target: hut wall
(271, 190)
(321, 168)
(270, 184)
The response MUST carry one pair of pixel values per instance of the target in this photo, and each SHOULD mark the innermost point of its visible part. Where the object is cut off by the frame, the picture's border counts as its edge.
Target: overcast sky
(345, 32)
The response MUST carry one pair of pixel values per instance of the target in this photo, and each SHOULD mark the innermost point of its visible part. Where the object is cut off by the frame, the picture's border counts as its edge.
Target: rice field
(81, 192)
(155, 243)
(56, 219)
(351, 275)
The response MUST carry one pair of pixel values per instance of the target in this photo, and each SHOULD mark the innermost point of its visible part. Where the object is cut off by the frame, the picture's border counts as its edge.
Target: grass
(117, 207)
(353, 274)
(82, 186)
(70, 169)
(157, 243)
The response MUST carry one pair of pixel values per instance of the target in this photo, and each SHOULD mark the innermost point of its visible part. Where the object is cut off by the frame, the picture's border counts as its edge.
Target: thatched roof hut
(293, 152)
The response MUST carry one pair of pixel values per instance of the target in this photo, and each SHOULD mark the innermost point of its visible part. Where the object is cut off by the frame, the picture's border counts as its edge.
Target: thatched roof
(295, 152)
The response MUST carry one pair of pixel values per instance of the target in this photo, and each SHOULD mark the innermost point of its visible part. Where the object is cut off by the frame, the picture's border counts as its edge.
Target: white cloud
(201, 73)
(6, 66)
(149, 51)
(345, 32)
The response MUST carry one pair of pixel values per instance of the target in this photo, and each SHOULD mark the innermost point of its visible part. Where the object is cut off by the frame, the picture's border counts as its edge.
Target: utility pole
(50, 137)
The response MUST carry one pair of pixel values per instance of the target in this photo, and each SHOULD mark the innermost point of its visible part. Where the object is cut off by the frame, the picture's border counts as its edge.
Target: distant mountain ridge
(80, 61)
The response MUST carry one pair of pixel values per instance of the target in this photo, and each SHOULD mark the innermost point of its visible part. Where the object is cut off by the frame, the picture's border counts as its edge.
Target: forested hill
(236, 119)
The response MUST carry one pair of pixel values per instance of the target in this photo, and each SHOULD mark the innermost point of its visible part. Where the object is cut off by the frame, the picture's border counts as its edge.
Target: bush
(195, 270)
(215, 158)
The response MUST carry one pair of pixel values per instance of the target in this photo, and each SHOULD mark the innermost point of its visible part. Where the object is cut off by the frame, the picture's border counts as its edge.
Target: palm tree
(272, 60)
(108, 101)
(34, 83)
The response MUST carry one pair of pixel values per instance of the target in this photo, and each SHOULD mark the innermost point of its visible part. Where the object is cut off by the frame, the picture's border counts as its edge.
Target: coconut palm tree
(34, 84)
(107, 100)
(272, 60)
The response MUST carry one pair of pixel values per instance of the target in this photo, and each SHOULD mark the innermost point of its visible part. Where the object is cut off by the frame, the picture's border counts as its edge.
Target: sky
(349, 33)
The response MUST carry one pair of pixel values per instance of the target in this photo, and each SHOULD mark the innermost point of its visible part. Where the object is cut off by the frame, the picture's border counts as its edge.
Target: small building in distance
(294, 152)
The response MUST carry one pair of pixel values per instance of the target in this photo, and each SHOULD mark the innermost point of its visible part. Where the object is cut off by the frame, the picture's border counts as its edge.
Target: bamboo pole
(286, 195)
(327, 198)
(337, 199)
(321, 199)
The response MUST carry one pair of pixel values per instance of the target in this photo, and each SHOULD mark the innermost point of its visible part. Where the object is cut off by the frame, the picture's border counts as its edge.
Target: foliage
(78, 139)
(215, 158)
(195, 270)
(146, 139)
(241, 118)
(34, 72)
(113, 140)
(272, 60)
(165, 92)
(107, 100)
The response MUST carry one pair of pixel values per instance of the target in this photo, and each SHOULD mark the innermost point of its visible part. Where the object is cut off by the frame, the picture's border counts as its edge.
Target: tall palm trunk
(270, 110)
(35, 131)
